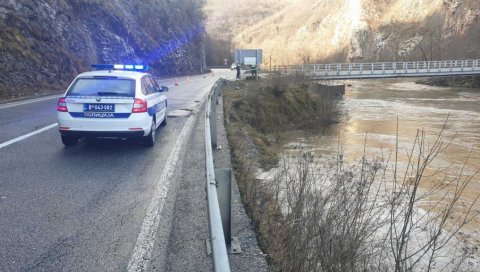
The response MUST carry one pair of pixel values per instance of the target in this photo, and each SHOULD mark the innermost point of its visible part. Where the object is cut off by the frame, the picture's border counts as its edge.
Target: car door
(160, 100)
(155, 99)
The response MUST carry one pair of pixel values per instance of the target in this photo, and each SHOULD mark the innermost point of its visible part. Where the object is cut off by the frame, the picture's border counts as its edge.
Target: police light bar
(126, 67)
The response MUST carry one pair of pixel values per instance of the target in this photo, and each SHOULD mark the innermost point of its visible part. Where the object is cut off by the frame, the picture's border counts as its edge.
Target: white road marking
(14, 104)
(146, 238)
(23, 137)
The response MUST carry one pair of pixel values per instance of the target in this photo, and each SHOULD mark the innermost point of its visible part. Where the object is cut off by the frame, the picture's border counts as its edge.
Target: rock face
(44, 44)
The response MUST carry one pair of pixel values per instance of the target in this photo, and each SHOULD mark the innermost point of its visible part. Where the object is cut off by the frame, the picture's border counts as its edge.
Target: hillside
(352, 30)
(45, 43)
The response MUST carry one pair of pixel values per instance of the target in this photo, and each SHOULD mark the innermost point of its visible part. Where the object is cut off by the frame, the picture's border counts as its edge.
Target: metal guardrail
(217, 179)
(383, 69)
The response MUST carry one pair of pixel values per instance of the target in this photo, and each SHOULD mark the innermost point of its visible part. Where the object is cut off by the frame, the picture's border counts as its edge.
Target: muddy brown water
(369, 113)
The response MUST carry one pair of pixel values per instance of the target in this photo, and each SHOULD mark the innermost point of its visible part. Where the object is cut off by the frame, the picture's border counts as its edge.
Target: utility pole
(271, 63)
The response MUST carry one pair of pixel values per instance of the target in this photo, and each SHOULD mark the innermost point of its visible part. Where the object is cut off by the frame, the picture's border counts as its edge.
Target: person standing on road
(238, 71)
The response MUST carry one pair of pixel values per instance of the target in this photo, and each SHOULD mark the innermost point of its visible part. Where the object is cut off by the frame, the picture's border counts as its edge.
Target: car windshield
(103, 86)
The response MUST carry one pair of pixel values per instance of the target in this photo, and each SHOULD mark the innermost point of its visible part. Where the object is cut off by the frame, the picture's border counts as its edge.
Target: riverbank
(310, 191)
(257, 113)
(452, 81)
(266, 108)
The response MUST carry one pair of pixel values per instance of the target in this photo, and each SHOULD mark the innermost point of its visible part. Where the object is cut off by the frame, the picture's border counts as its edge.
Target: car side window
(148, 86)
(154, 84)
(144, 87)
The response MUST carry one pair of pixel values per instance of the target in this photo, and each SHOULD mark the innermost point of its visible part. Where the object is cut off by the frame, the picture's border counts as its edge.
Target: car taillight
(139, 105)
(62, 105)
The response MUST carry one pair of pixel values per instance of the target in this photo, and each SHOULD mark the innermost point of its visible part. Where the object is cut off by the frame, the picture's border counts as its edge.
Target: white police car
(120, 101)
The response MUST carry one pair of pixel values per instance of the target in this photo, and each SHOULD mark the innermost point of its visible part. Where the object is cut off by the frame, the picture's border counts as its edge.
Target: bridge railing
(383, 69)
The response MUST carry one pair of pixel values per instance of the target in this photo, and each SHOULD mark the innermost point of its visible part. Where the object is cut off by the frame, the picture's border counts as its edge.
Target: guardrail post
(224, 193)
(213, 118)
(217, 92)
(223, 178)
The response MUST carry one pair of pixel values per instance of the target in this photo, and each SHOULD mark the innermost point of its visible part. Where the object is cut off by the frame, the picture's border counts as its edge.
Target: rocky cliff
(45, 43)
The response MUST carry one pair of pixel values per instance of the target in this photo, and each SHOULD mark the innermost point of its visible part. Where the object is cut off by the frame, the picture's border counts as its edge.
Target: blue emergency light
(125, 67)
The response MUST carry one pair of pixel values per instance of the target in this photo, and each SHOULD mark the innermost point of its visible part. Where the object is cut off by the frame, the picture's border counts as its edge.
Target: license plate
(99, 107)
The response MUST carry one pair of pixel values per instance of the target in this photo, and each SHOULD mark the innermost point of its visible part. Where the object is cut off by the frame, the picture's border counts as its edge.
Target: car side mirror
(164, 89)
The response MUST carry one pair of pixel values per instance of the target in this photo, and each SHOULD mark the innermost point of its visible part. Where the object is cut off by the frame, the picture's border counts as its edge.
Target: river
(368, 124)
(376, 116)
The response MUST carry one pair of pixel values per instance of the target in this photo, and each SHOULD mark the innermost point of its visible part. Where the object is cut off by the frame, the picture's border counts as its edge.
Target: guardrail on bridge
(383, 69)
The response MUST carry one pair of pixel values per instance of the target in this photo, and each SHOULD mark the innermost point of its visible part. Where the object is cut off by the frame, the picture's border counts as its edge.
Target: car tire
(149, 140)
(69, 141)
(164, 122)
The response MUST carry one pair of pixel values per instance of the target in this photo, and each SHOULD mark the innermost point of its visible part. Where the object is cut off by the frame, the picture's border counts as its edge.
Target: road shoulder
(252, 258)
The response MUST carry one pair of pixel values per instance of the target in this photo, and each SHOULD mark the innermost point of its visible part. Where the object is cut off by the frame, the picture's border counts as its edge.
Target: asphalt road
(86, 207)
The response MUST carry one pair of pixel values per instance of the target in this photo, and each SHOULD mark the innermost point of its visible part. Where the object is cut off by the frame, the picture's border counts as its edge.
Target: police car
(119, 101)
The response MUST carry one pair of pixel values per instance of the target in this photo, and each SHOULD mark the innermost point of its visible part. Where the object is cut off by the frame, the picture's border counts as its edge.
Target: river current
(368, 124)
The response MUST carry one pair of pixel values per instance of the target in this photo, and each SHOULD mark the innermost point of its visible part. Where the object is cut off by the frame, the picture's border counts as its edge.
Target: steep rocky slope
(45, 43)
(356, 30)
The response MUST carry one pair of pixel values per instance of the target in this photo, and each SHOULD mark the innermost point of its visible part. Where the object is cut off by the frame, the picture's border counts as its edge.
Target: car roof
(114, 73)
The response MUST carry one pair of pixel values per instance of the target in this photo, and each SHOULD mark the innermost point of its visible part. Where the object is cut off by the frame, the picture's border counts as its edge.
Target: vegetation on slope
(355, 30)
(265, 109)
